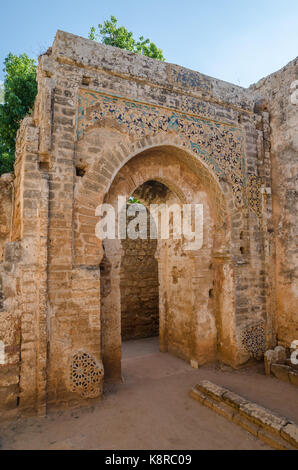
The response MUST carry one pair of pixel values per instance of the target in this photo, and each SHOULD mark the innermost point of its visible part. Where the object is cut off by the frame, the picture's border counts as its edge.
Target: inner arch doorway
(191, 283)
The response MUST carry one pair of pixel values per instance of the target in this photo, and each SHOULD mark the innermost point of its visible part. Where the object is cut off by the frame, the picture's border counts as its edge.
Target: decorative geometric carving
(254, 196)
(86, 376)
(220, 145)
(253, 339)
(189, 79)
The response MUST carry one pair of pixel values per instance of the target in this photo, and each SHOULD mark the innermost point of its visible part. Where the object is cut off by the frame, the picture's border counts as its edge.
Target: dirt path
(152, 410)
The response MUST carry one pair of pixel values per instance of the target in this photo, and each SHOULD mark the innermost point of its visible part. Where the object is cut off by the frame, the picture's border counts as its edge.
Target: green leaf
(111, 35)
(19, 92)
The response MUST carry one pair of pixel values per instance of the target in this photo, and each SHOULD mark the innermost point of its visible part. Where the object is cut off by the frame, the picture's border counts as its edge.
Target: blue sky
(237, 41)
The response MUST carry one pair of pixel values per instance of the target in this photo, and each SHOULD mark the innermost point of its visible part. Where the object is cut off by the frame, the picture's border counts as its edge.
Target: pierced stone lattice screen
(86, 376)
(253, 339)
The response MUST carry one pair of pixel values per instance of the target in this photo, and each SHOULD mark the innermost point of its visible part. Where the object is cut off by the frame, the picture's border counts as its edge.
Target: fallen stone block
(211, 389)
(263, 417)
(223, 410)
(274, 442)
(234, 400)
(194, 364)
(281, 372)
(197, 395)
(280, 355)
(290, 364)
(245, 424)
(276, 431)
(293, 376)
(290, 433)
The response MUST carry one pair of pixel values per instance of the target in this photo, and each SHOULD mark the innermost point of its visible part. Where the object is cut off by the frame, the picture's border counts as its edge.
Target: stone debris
(278, 364)
(277, 431)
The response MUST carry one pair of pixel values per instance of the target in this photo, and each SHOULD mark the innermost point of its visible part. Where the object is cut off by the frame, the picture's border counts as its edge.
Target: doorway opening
(167, 285)
(139, 284)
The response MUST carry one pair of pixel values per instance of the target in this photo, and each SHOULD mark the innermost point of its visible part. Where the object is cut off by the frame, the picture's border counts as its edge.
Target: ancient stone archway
(106, 122)
(186, 278)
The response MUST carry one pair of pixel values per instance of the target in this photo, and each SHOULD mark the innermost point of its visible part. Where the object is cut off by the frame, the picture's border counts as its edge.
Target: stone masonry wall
(139, 289)
(6, 202)
(277, 97)
(98, 108)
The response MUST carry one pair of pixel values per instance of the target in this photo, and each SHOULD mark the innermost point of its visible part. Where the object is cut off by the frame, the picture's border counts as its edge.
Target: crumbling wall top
(84, 53)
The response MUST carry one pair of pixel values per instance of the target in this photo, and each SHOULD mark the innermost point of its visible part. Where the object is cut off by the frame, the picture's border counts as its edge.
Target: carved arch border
(92, 188)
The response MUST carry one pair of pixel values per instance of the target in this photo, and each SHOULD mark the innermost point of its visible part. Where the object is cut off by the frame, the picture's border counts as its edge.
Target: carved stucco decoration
(220, 145)
(86, 375)
(253, 339)
(254, 196)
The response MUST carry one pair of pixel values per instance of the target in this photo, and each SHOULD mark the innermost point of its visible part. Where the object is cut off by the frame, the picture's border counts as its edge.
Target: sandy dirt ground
(152, 409)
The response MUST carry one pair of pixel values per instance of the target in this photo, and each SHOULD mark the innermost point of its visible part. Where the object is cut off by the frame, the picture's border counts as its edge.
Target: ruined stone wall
(9, 315)
(6, 203)
(99, 128)
(276, 97)
(99, 108)
(9, 321)
(23, 273)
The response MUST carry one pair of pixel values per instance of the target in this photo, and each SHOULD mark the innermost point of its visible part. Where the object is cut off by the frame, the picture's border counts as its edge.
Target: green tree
(112, 35)
(20, 89)
(1, 93)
